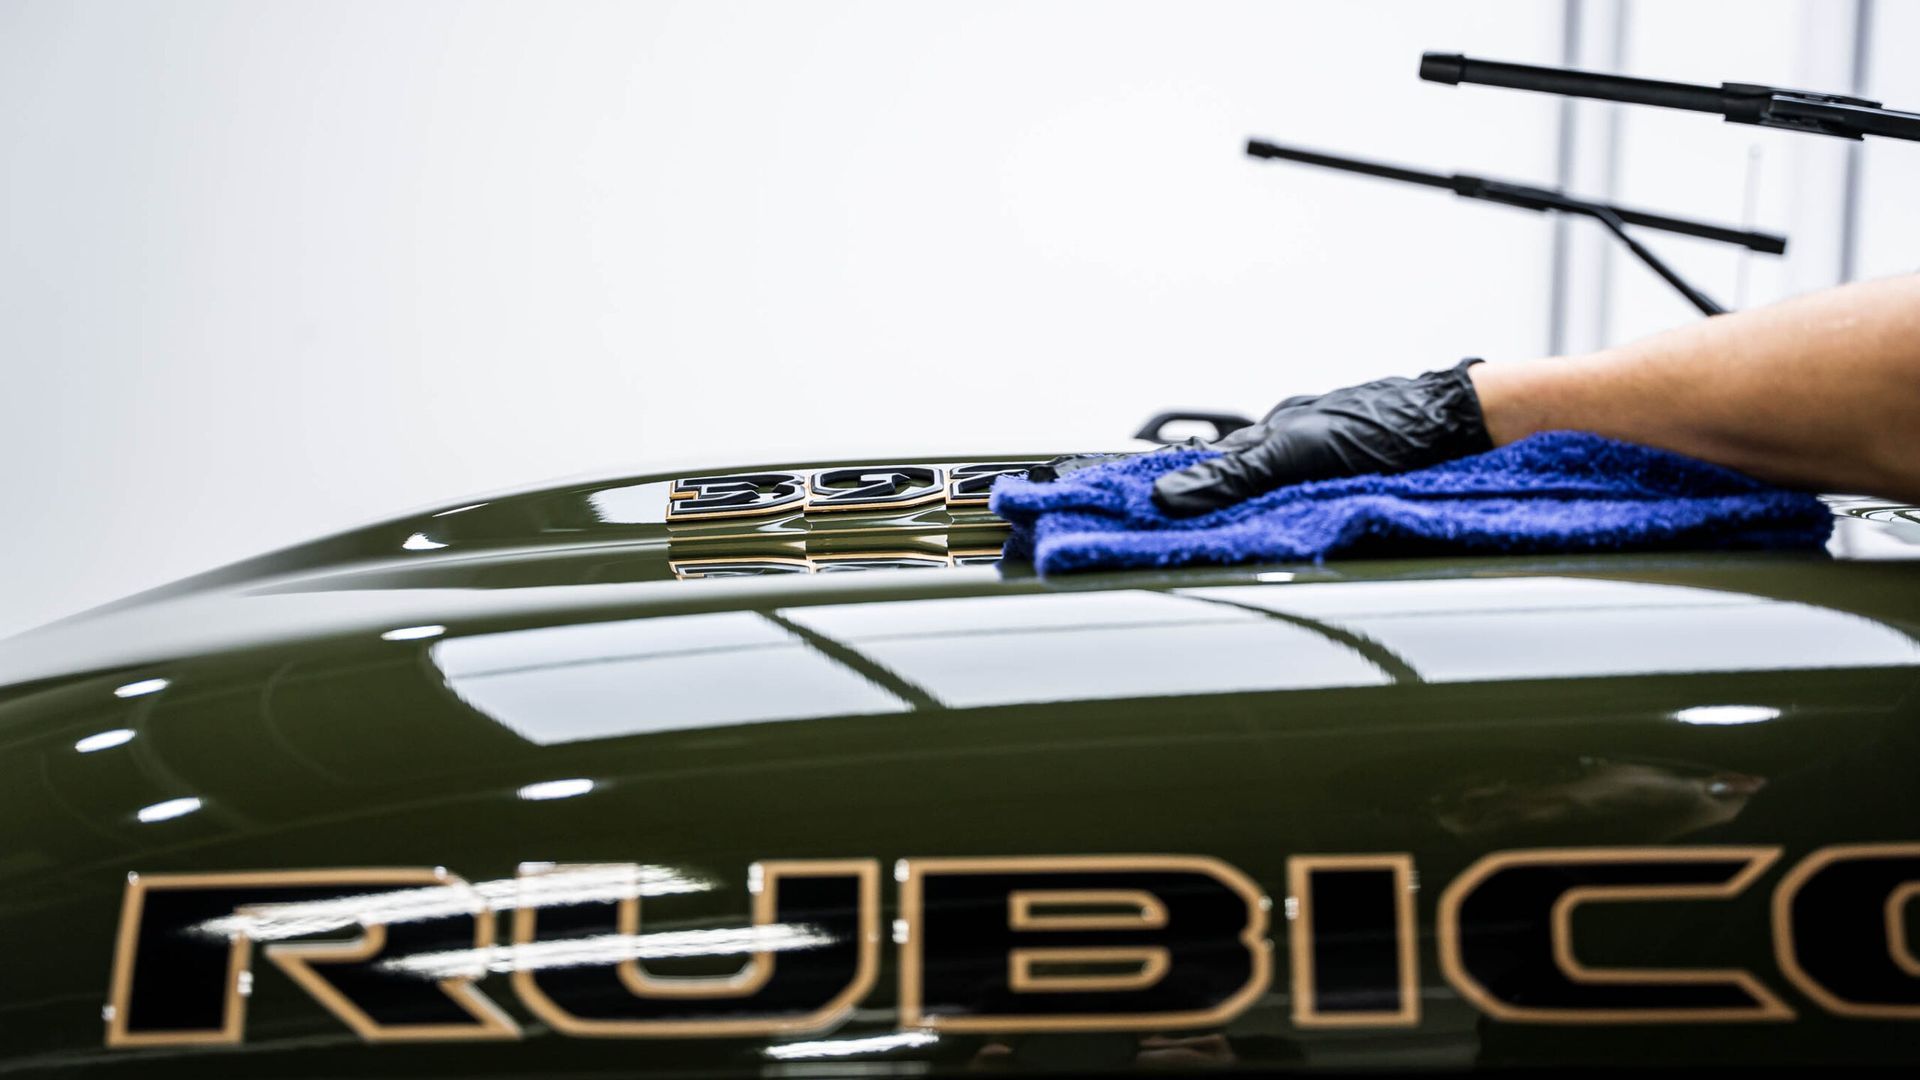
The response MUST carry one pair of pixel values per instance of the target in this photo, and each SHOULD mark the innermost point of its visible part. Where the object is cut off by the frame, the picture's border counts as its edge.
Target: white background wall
(271, 270)
(1692, 165)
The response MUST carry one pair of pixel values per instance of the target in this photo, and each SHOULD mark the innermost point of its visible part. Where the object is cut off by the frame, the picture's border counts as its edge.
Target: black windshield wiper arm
(1527, 197)
(1740, 103)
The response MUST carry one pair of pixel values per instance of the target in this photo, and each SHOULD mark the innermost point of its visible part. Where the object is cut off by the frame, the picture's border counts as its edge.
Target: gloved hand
(1385, 426)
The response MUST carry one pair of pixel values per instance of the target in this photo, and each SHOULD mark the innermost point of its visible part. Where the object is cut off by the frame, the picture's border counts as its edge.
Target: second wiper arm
(1525, 196)
(1528, 197)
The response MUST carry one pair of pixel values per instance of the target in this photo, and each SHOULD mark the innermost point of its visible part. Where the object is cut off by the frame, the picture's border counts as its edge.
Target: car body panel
(564, 677)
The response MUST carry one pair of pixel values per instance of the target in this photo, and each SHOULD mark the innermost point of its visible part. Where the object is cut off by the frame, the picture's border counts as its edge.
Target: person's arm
(1819, 392)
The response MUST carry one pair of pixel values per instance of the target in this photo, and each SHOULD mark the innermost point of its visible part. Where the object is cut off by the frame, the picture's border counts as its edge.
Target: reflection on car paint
(689, 569)
(605, 950)
(599, 680)
(981, 651)
(673, 672)
(1517, 628)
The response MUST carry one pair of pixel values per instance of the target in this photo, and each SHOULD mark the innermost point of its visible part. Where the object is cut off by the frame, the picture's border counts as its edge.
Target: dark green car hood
(564, 677)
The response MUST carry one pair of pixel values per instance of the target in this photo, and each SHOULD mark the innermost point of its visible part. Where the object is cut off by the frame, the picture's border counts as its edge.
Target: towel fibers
(1560, 491)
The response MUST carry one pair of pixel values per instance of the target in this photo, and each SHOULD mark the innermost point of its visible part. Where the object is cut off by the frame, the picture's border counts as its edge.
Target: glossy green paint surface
(383, 698)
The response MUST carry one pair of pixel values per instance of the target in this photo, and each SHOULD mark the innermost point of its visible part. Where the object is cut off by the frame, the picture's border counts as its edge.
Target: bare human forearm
(1819, 392)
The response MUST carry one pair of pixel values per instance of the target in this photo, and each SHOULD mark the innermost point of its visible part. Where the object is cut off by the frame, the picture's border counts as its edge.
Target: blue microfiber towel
(1556, 492)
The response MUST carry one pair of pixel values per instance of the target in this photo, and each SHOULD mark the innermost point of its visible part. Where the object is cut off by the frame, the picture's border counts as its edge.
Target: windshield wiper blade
(1740, 103)
(1527, 197)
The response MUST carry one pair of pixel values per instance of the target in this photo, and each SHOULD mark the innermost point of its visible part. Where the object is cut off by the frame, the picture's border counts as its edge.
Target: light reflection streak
(168, 810)
(877, 1044)
(575, 885)
(104, 740)
(141, 688)
(556, 789)
(603, 950)
(1727, 714)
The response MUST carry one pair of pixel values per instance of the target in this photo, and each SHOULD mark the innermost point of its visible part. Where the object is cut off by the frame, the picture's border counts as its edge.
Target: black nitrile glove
(1385, 426)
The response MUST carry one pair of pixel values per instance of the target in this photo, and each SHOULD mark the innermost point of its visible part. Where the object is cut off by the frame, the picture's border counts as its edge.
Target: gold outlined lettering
(1743, 866)
(298, 960)
(1250, 933)
(1787, 943)
(1306, 1005)
(746, 983)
